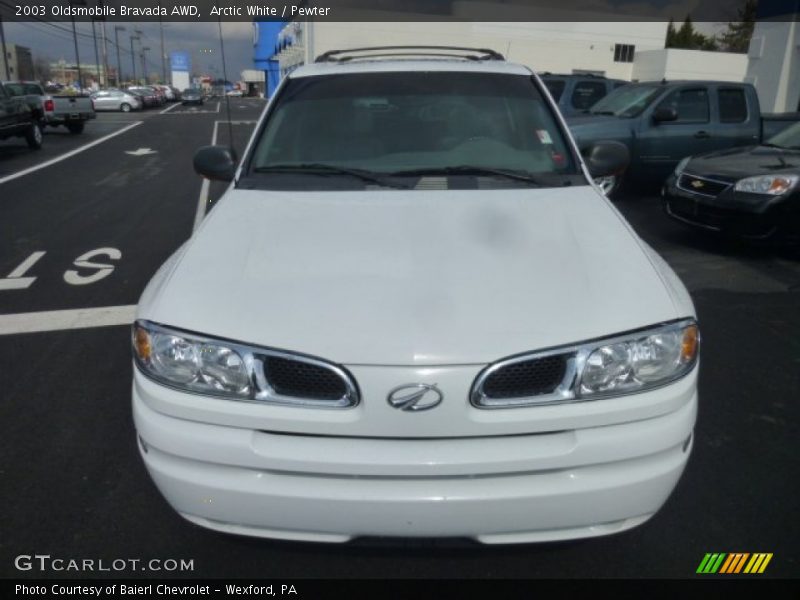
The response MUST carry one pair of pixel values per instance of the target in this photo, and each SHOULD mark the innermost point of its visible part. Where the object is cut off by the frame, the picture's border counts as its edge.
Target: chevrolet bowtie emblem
(697, 184)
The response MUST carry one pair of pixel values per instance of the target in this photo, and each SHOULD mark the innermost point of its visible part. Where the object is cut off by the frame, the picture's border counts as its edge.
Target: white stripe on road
(57, 320)
(169, 108)
(203, 199)
(69, 154)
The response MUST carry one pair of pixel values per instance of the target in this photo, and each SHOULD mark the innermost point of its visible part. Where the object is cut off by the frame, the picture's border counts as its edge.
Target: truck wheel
(125, 107)
(34, 136)
(75, 128)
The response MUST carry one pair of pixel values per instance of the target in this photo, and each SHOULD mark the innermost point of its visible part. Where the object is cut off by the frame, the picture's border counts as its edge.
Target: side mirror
(607, 158)
(215, 162)
(665, 113)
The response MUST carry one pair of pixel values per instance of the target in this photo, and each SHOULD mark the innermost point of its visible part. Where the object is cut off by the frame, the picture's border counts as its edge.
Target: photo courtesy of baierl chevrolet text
(406, 298)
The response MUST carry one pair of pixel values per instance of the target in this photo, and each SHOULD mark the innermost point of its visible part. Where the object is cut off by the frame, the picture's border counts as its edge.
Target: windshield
(346, 131)
(627, 101)
(788, 138)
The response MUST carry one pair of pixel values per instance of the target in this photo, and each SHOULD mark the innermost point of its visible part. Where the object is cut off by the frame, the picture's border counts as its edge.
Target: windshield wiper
(610, 113)
(325, 169)
(470, 170)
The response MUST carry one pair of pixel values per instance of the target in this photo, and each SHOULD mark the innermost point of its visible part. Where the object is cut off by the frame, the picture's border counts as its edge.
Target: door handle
(702, 135)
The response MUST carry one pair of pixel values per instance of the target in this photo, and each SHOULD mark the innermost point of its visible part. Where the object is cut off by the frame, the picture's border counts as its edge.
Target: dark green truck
(663, 122)
(17, 119)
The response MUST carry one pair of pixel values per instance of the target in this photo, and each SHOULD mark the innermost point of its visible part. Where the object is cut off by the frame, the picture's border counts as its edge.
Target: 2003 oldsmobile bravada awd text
(413, 314)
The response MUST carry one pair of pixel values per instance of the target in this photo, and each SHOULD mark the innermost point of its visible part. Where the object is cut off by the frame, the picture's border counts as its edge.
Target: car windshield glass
(408, 126)
(788, 138)
(627, 101)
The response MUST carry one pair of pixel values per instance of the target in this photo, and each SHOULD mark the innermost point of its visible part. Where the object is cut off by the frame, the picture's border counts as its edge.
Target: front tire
(34, 136)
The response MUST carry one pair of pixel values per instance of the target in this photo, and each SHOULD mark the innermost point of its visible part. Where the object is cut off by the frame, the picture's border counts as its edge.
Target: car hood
(410, 277)
(736, 163)
(596, 127)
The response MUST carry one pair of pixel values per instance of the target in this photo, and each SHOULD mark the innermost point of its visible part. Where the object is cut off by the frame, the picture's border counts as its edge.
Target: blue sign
(179, 61)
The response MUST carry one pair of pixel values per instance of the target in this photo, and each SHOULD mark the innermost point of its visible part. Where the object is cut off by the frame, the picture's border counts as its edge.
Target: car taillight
(49, 105)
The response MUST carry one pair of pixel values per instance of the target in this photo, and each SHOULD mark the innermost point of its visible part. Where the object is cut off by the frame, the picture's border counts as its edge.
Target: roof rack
(404, 51)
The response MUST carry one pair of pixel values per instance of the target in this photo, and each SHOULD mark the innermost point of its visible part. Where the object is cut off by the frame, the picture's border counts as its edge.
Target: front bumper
(500, 489)
(755, 219)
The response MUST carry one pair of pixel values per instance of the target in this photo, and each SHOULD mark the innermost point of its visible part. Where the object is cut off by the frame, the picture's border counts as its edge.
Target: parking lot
(85, 223)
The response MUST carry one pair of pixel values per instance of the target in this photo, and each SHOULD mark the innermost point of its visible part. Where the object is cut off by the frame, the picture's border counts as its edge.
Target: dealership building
(631, 50)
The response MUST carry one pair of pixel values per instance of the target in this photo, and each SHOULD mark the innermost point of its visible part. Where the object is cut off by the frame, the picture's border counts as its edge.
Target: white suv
(413, 314)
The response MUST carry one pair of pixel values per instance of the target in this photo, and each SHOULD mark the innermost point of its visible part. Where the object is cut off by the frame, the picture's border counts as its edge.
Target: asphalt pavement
(86, 222)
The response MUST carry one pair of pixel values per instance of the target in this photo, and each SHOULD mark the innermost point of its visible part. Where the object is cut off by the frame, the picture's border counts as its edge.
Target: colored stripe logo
(734, 563)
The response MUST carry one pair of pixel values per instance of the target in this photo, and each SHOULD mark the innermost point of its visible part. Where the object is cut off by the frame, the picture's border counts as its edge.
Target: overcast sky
(55, 42)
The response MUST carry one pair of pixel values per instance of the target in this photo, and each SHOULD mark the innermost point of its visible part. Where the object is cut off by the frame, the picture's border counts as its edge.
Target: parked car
(576, 94)
(663, 122)
(18, 119)
(235, 93)
(751, 192)
(54, 109)
(192, 96)
(117, 100)
(169, 95)
(148, 95)
(413, 314)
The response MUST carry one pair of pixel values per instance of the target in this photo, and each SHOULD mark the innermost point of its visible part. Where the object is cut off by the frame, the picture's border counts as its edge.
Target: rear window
(555, 87)
(587, 93)
(732, 105)
(23, 89)
(438, 122)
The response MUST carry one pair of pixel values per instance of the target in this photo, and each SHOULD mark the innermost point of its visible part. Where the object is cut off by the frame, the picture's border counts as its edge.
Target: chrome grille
(526, 380)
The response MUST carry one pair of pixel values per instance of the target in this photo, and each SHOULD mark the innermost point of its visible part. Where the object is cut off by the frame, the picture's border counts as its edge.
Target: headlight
(613, 366)
(773, 185)
(682, 165)
(204, 365)
(644, 361)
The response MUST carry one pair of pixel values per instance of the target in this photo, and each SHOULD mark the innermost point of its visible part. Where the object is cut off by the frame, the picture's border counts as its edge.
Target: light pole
(75, 39)
(117, 29)
(163, 54)
(96, 55)
(3, 43)
(144, 64)
(133, 59)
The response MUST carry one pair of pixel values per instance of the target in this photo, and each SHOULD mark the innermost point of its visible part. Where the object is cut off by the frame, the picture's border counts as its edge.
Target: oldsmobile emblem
(415, 397)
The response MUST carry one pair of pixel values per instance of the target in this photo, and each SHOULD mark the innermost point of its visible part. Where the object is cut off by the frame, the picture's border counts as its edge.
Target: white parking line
(69, 154)
(169, 108)
(57, 320)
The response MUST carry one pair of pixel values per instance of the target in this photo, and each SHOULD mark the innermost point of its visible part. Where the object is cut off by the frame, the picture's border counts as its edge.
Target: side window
(691, 105)
(586, 93)
(2, 92)
(556, 87)
(732, 105)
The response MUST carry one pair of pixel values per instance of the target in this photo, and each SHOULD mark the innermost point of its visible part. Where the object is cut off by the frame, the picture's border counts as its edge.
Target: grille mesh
(527, 378)
(302, 380)
(700, 185)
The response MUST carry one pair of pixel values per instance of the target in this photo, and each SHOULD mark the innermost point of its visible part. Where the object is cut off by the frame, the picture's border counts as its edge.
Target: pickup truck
(17, 119)
(663, 122)
(54, 110)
